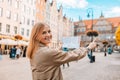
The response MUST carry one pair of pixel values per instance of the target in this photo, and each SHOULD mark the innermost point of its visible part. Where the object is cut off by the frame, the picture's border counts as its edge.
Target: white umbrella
(21, 42)
(8, 42)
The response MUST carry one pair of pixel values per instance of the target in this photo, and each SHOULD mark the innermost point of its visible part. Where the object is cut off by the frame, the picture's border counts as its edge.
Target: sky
(78, 9)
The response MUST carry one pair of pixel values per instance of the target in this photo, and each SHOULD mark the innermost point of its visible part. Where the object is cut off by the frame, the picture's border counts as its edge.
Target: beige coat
(46, 62)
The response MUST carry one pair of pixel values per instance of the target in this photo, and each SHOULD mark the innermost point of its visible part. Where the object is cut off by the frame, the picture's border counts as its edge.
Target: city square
(104, 68)
(59, 31)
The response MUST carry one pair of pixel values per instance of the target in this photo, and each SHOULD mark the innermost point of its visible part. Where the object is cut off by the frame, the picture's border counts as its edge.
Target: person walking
(24, 51)
(12, 52)
(0, 53)
(45, 61)
(18, 52)
(109, 50)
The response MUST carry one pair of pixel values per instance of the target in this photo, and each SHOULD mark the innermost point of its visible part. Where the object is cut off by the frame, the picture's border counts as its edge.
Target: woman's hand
(92, 45)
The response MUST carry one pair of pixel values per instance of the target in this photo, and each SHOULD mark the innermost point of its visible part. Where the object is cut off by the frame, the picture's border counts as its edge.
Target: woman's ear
(37, 38)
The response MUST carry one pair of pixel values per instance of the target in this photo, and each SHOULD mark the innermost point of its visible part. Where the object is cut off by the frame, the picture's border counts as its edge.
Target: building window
(10, 2)
(15, 17)
(8, 14)
(32, 22)
(23, 20)
(28, 21)
(1, 11)
(28, 32)
(16, 4)
(22, 31)
(83, 30)
(28, 10)
(7, 28)
(34, 12)
(78, 30)
(15, 29)
(23, 8)
(0, 27)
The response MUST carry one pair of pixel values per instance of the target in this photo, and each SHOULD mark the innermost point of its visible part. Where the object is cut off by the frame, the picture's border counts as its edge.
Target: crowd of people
(17, 51)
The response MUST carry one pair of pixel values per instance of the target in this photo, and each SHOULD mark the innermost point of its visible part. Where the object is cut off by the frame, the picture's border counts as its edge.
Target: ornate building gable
(81, 24)
(60, 10)
(47, 10)
(80, 27)
(102, 24)
(54, 4)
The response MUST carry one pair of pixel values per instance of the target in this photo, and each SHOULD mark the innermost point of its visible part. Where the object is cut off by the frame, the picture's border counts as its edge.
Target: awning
(21, 42)
(8, 42)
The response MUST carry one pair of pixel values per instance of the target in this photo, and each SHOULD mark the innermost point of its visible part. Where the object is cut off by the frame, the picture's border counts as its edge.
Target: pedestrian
(24, 51)
(45, 61)
(109, 50)
(105, 50)
(18, 52)
(13, 52)
(0, 53)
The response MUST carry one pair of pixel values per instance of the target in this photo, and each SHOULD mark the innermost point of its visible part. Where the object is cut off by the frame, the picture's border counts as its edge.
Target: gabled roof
(115, 21)
(89, 22)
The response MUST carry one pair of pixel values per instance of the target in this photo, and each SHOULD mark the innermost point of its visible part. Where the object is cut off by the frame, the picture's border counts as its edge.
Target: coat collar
(42, 45)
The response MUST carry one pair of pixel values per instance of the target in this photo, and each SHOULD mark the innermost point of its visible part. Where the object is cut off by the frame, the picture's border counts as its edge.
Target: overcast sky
(75, 8)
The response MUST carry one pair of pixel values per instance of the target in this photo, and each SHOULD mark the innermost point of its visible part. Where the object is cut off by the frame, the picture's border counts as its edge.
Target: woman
(45, 61)
(18, 52)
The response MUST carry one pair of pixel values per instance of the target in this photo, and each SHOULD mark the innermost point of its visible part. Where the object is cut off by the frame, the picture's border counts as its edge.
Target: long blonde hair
(34, 42)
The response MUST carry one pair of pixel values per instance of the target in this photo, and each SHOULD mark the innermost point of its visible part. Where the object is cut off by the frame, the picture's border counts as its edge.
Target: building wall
(27, 17)
(22, 16)
(103, 25)
(8, 17)
(53, 23)
(40, 10)
(60, 24)
(47, 12)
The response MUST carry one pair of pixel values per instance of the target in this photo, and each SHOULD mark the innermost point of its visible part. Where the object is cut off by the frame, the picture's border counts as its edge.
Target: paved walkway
(104, 68)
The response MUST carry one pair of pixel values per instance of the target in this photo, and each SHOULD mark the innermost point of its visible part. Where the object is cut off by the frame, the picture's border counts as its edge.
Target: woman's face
(46, 36)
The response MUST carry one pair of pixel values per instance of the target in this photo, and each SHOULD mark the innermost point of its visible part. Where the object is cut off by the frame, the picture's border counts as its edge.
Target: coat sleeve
(60, 57)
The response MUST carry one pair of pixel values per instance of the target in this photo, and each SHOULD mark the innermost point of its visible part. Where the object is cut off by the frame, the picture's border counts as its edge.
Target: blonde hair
(34, 42)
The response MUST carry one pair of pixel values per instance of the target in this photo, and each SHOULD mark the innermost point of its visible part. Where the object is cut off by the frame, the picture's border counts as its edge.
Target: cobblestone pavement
(104, 68)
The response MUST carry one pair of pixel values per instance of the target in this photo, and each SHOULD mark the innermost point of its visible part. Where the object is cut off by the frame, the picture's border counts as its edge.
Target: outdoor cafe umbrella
(21, 42)
(8, 42)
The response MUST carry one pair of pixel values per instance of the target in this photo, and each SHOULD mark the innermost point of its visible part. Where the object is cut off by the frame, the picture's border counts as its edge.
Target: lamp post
(90, 13)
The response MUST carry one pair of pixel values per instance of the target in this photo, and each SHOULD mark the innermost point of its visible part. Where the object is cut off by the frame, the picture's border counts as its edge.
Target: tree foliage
(117, 35)
(92, 33)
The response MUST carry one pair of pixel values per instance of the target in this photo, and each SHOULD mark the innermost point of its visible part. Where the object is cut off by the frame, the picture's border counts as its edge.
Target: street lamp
(90, 13)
